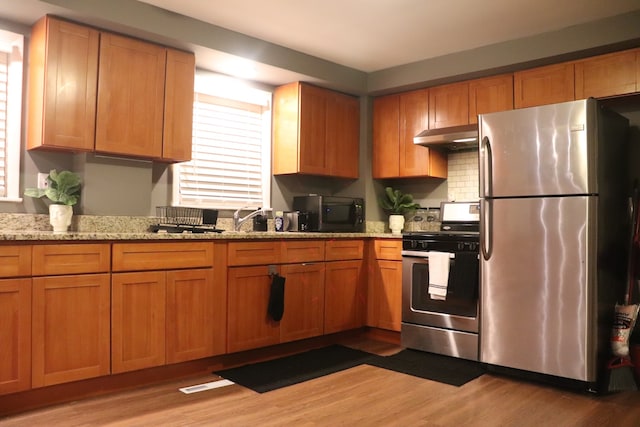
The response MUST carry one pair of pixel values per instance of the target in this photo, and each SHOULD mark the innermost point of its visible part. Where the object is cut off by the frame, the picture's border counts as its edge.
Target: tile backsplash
(463, 177)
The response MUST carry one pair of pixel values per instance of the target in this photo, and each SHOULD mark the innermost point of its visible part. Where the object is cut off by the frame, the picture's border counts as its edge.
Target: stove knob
(424, 244)
(460, 246)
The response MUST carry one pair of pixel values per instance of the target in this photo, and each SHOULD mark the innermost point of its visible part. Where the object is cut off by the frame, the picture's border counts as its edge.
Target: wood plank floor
(360, 396)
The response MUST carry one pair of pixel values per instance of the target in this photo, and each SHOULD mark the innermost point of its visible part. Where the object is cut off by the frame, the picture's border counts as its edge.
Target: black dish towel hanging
(276, 297)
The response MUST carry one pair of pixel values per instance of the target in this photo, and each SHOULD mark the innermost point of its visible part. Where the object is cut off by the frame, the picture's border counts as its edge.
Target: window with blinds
(4, 89)
(11, 91)
(230, 166)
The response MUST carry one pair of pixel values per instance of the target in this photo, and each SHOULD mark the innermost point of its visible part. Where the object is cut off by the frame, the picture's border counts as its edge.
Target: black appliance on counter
(443, 317)
(332, 213)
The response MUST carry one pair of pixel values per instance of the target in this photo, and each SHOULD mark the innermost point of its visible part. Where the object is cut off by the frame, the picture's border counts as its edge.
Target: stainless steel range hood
(449, 139)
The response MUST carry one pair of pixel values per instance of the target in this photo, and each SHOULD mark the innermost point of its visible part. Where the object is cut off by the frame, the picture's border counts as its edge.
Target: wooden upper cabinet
(544, 85)
(489, 95)
(608, 75)
(396, 120)
(130, 97)
(343, 135)
(178, 106)
(315, 131)
(63, 73)
(449, 105)
(386, 136)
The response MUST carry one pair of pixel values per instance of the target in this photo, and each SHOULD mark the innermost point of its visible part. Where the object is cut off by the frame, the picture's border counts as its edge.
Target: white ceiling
(367, 35)
(371, 35)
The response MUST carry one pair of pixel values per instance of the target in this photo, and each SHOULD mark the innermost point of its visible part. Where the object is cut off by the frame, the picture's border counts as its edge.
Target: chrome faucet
(237, 221)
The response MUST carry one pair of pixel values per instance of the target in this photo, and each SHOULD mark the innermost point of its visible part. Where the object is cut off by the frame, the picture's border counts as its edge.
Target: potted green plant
(396, 204)
(63, 190)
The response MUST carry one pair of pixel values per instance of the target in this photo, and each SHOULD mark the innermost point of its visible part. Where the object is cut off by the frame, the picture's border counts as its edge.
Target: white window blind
(230, 164)
(11, 78)
(4, 89)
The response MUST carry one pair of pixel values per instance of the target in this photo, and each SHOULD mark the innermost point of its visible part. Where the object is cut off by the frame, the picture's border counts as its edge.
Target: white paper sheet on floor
(439, 274)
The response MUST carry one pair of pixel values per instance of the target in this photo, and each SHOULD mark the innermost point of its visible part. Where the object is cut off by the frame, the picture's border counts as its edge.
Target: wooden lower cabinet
(70, 329)
(385, 284)
(303, 301)
(138, 316)
(15, 335)
(196, 315)
(387, 295)
(344, 297)
(249, 325)
(161, 317)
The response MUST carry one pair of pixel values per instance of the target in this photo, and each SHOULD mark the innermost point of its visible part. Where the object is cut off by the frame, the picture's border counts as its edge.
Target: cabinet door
(15, 335)
(63, 79)
(608, 75)
(196, 321)
(303, 301)
(544, 85)
(130, 107)
(387, 298)
(448, 105)
(414, 118)
(390, 249)
(490, 95)
(70, 338)
(345, 298)
(138, 320)
(178, 106)
(313, 130)
(343, 135)
(386, 137)
(71, 258)
(286, 108)
(343, 249)
(249, 326)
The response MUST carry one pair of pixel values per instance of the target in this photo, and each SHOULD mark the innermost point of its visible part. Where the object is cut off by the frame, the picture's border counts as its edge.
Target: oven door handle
(422, 254)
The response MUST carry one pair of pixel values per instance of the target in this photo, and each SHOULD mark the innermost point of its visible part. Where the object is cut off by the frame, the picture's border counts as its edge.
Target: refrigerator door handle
(486, 235)
(486, 168)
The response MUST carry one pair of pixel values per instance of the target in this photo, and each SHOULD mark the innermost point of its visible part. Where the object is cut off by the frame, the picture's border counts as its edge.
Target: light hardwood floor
(360, 396)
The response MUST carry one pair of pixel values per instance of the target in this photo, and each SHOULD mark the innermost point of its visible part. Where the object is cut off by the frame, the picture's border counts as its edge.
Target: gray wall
(122, 187)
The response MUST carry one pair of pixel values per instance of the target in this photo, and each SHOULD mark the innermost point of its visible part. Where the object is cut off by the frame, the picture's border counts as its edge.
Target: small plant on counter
(394, 202)
(63, 188)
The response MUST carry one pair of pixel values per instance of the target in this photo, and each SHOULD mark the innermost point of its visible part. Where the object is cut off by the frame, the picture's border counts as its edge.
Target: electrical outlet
(42, 181)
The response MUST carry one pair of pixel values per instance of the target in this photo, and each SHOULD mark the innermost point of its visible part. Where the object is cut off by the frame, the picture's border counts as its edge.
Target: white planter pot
(396, 223)
(60, 217)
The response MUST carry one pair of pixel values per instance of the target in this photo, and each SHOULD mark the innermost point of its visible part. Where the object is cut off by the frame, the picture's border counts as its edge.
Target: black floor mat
(289, 370)
(273, 374)
(444, 369)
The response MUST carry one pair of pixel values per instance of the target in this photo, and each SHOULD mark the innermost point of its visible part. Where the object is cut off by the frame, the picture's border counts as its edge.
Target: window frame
(231, 90)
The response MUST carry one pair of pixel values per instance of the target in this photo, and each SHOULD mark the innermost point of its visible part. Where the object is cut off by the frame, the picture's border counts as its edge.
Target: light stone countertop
(8, 235)
(36, 227)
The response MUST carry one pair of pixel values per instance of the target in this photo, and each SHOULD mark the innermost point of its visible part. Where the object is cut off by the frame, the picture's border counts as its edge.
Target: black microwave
(332, 213)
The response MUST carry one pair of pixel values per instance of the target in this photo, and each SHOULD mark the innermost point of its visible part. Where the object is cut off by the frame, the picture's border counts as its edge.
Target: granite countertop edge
(225, 235)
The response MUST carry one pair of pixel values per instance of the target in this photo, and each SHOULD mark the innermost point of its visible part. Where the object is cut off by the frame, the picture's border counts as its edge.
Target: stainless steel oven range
(440, 284)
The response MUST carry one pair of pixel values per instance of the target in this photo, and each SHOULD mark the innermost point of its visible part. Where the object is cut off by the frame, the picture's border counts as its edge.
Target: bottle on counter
(278, 221)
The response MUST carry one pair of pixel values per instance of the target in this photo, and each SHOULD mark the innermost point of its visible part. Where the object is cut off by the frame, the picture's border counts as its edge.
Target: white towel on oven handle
(439, 274)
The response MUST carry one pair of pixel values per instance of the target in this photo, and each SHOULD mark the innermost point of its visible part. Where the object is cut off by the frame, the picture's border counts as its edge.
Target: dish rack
(178, 219)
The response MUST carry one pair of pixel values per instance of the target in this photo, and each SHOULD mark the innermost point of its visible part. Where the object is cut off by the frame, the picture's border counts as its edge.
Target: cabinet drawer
(390, 249)
(161, 256)
(15, 261)
(253, 253)
(302, 251)
(49, 260)
(343, 249)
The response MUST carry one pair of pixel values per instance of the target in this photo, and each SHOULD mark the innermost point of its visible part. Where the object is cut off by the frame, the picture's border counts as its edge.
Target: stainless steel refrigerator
(553, 227)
